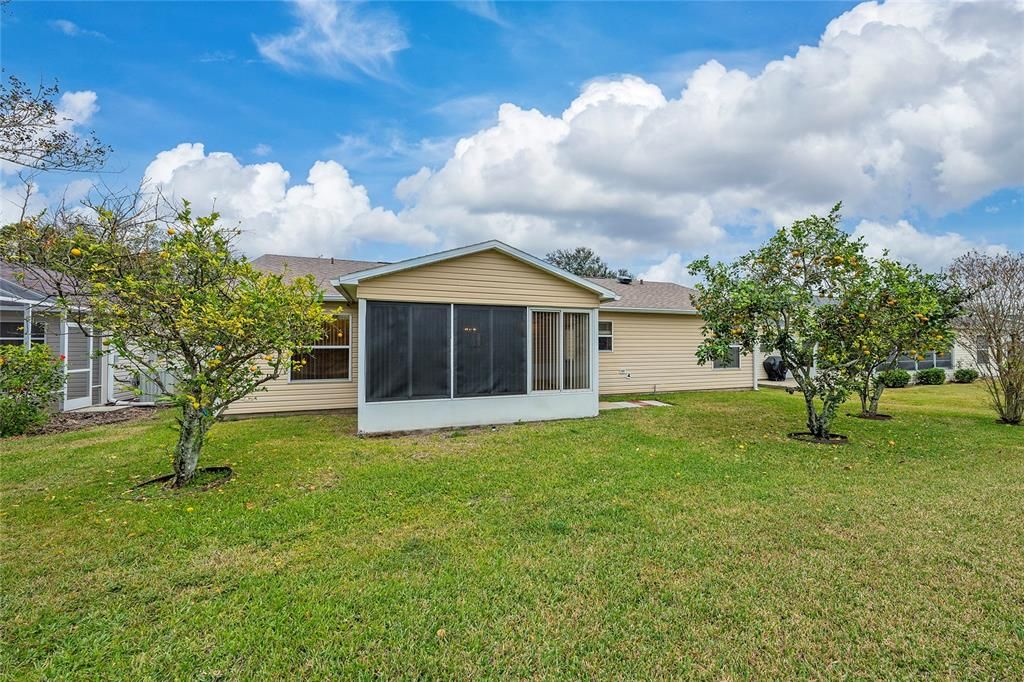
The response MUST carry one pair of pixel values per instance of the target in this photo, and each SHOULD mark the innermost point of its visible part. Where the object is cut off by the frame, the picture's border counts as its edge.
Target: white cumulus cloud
(326, 214)
(335, 39)
(906, 243)
(76, 109)
(899, 107)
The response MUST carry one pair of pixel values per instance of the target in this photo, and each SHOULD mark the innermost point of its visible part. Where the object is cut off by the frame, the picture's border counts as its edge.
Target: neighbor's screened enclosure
(490, 350)
(407, 354)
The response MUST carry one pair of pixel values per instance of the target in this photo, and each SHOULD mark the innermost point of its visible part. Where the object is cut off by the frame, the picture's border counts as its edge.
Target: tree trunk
(863, 390)
(876, 395)
(194, 425)
(819, 423)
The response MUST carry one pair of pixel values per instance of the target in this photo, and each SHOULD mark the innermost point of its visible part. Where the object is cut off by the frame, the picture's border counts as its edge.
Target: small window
(981, 350)
(12, 333)
(732, 361)
(329, 358)
(604, 336)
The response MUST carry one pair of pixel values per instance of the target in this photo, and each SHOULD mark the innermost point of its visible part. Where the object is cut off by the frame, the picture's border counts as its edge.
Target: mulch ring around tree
(63, 422)
(808, 437)
(875, 417)
(206, 478)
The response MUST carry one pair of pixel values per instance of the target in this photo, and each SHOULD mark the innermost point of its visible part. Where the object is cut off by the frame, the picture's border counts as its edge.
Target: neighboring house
(487, 334)
(29, 315)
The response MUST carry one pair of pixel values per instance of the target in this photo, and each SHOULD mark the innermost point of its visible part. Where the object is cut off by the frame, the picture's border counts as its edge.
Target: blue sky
(387, 89)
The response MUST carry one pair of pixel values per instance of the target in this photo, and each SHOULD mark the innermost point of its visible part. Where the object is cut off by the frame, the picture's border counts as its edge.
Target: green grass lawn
(694, 540)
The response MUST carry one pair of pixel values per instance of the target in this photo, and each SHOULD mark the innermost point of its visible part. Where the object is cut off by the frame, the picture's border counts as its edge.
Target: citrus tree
(176, 303)
(899, 310)
(794, 296)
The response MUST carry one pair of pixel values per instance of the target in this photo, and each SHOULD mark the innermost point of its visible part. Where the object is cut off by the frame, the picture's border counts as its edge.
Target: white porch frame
(429, 413)
(76, 403)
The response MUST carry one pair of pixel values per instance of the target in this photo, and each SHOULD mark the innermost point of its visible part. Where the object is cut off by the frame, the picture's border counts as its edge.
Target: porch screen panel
(78, 385)
(431, 351)
(78, 349)
(576, 353)
(545, 350)
(407, 354)
(490, 350)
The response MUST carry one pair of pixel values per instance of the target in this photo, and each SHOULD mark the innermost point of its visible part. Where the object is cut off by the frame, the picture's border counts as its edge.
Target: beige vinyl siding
(487, 278)
(283, 395)
(658, 351)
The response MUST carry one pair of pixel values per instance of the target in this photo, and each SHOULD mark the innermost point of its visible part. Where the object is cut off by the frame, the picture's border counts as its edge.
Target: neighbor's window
(981, 350)
(732, 361)
(604, 336)
(928, 360)
(329, 357)
(12, 330)
(408, 351)
(490, 350)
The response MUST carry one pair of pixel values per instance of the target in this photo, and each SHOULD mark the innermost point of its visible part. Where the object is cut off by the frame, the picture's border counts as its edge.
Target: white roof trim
(664, 311)
(356, 277)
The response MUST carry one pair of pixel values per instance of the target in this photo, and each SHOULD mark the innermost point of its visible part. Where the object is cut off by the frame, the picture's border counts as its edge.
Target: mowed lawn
(694, 540)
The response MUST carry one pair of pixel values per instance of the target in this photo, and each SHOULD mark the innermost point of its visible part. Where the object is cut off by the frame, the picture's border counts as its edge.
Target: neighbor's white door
(78, 366)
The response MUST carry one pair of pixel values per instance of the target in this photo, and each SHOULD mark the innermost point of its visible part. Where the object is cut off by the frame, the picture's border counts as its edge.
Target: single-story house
(487, 334)
(28, 315)
(481, 334)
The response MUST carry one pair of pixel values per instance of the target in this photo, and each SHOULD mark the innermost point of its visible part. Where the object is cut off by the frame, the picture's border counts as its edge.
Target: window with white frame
(604, 336)
(926, 360)
(330, 357)
(731, 361)
(981, 350)
(12, 329)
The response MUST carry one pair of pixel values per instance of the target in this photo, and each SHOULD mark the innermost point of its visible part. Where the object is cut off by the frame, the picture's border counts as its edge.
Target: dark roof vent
(625, 279)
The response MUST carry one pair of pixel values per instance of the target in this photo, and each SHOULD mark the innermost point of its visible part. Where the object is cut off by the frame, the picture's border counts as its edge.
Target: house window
(12, 331)
(408, 351)
(490, 350)
(731, 361)
(561, 350)
(981, 350)
(329, 358)
(927, 360)
(944, 358)
(604, 336)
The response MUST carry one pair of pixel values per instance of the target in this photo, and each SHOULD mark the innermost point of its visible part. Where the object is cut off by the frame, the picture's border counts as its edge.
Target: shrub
(29, 380)
(965, 375)
(935, 376)
(894, 378)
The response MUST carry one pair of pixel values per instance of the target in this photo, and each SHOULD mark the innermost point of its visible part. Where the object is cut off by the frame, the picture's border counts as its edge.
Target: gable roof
(323, 270)
(347, 282)
(644, 296)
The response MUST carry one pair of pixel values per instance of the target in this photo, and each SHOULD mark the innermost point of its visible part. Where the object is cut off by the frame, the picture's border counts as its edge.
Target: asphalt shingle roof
(322, 269)
(647, 295)
(639, 294)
